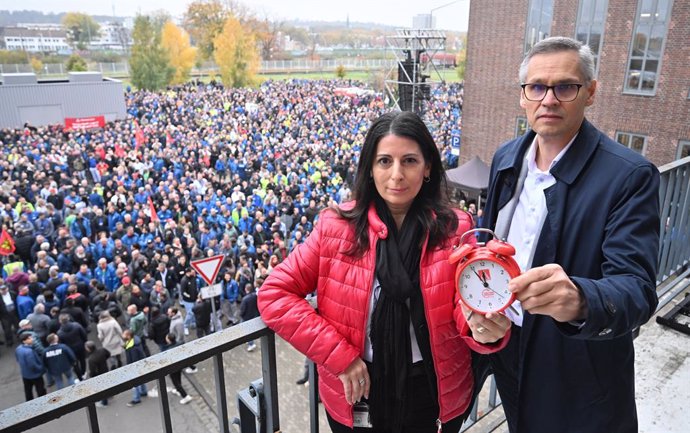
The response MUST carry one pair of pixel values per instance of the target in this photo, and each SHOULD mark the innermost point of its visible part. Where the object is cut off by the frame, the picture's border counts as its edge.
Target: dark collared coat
(602, 227)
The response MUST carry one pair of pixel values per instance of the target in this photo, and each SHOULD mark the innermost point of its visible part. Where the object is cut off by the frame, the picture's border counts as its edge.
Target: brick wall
(495, 40)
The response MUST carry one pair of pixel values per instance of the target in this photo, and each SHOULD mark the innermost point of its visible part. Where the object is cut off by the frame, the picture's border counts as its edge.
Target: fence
(121, 69)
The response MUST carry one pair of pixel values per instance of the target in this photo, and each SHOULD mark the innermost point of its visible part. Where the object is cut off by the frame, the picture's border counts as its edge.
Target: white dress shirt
(530, 214)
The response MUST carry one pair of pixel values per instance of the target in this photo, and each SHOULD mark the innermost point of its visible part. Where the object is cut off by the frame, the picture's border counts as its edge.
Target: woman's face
(399, 169)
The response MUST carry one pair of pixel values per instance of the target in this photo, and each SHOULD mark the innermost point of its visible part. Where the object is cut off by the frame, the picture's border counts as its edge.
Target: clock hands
(485, 283)
(480, 278)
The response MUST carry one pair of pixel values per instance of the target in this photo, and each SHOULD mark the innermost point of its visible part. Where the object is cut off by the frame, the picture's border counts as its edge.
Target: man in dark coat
(73, 335)
(8, 313)
(188, 296)
(159, 326)
(58, 359)
(202, 316)
(76, 314)
(31, 366)
(97, 363)
(583, 214)
(134, 351)
(249, 310)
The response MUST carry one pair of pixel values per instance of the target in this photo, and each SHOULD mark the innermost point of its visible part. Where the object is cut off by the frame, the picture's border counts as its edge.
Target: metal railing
(674, 253)
(673, 277)
(84, 395)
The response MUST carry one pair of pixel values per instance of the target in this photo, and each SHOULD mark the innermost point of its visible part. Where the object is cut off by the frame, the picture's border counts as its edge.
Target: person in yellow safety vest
(15, 265)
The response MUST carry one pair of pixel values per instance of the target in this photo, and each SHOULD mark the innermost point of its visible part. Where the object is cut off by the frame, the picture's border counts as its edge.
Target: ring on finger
(481, 329)
(362, 381)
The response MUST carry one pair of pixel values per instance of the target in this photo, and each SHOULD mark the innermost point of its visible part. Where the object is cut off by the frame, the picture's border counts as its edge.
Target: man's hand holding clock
(482, 277)
(549, 291)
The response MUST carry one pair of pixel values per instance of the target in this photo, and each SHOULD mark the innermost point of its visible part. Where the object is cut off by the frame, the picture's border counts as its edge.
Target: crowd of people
(105, 222)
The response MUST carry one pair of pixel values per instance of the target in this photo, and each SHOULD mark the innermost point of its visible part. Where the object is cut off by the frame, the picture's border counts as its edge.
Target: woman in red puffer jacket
(389, 335)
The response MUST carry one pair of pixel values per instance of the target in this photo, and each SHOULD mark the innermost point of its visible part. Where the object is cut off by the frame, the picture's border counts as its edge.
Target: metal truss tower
(408, 83)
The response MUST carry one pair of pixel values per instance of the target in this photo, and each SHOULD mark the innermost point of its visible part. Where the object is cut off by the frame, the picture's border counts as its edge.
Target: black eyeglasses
(562, 92)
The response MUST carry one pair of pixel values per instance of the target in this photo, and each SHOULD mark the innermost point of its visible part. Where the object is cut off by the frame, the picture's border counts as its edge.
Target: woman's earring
(427, 179)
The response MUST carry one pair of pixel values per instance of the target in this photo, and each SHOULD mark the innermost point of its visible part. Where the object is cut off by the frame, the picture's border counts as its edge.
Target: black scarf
(397, 269)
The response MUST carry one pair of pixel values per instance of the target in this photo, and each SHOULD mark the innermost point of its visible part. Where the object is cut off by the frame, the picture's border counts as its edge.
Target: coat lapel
(566, 171)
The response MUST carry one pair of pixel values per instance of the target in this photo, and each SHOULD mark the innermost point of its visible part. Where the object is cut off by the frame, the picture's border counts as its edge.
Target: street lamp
(431, 12)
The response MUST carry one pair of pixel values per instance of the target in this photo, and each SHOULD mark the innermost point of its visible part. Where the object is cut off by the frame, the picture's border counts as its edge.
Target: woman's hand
(486, 329)
(355, 381)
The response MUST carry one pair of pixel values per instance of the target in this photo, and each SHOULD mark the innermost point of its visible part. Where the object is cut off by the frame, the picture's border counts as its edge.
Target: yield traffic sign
(208, 268)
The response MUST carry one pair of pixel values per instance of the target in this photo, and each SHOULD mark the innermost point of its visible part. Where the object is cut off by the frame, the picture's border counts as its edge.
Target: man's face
(550, 118)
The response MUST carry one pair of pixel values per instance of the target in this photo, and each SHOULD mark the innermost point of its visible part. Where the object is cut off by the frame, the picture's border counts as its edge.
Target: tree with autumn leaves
(204, 20)
(228, 33)
(81, 29)
(182, 55)
(236, 55)
(161, 53)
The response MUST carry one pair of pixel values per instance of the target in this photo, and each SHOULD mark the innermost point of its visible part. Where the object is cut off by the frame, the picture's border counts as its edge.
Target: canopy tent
(472, 177)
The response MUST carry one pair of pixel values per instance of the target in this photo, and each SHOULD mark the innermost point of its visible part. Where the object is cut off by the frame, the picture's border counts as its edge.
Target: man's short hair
(559, 44)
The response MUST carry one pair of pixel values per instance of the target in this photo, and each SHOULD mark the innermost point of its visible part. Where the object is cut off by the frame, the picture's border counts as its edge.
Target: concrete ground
(662, 378)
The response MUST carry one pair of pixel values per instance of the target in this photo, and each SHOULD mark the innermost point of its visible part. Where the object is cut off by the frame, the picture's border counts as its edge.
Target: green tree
(149, 63)
(204, 20)
(8, 57)
(340, 71)
(181, 54)
(76, 64)
(81, 29)
(236, 54)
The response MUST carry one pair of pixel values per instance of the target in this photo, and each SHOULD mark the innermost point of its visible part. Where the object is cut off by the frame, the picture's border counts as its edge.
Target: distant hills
(11, 18)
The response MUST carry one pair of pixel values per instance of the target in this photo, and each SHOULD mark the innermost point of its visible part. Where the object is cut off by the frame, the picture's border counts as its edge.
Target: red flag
(152, 209)
(6, 244)
(168, 138)
(138, 137)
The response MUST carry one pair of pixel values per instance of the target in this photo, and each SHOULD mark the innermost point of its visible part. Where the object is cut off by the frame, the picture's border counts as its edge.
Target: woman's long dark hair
(434, 210)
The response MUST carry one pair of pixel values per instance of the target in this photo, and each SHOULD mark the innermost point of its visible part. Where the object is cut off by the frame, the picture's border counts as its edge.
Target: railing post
(268, 367)
(92, 417)
(313, 398)
(164, 403)
(221, 398)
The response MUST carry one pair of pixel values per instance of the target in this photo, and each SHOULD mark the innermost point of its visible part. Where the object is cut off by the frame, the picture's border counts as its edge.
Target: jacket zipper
(438, 380)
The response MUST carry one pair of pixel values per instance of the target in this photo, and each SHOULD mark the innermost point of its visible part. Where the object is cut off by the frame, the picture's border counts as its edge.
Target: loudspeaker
(406, 74)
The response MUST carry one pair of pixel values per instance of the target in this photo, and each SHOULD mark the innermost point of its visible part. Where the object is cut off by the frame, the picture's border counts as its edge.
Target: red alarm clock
(483, 273)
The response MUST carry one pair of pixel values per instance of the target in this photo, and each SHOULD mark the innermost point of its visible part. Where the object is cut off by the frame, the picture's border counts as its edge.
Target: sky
(450, 15)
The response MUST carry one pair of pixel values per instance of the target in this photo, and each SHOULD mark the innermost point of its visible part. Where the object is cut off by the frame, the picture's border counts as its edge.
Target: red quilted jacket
(334, 335)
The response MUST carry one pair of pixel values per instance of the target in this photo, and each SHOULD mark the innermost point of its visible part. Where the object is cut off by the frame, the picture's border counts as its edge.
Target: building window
(636, 142)
(683, 149)
(647, 45)
(539, 18)
(521, 126)
(591, 21)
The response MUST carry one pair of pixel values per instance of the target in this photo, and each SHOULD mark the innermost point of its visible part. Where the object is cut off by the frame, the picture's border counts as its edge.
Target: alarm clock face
(483, 286)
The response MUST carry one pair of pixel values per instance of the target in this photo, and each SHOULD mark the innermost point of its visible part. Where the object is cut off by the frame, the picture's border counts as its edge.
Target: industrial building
(84, 98)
